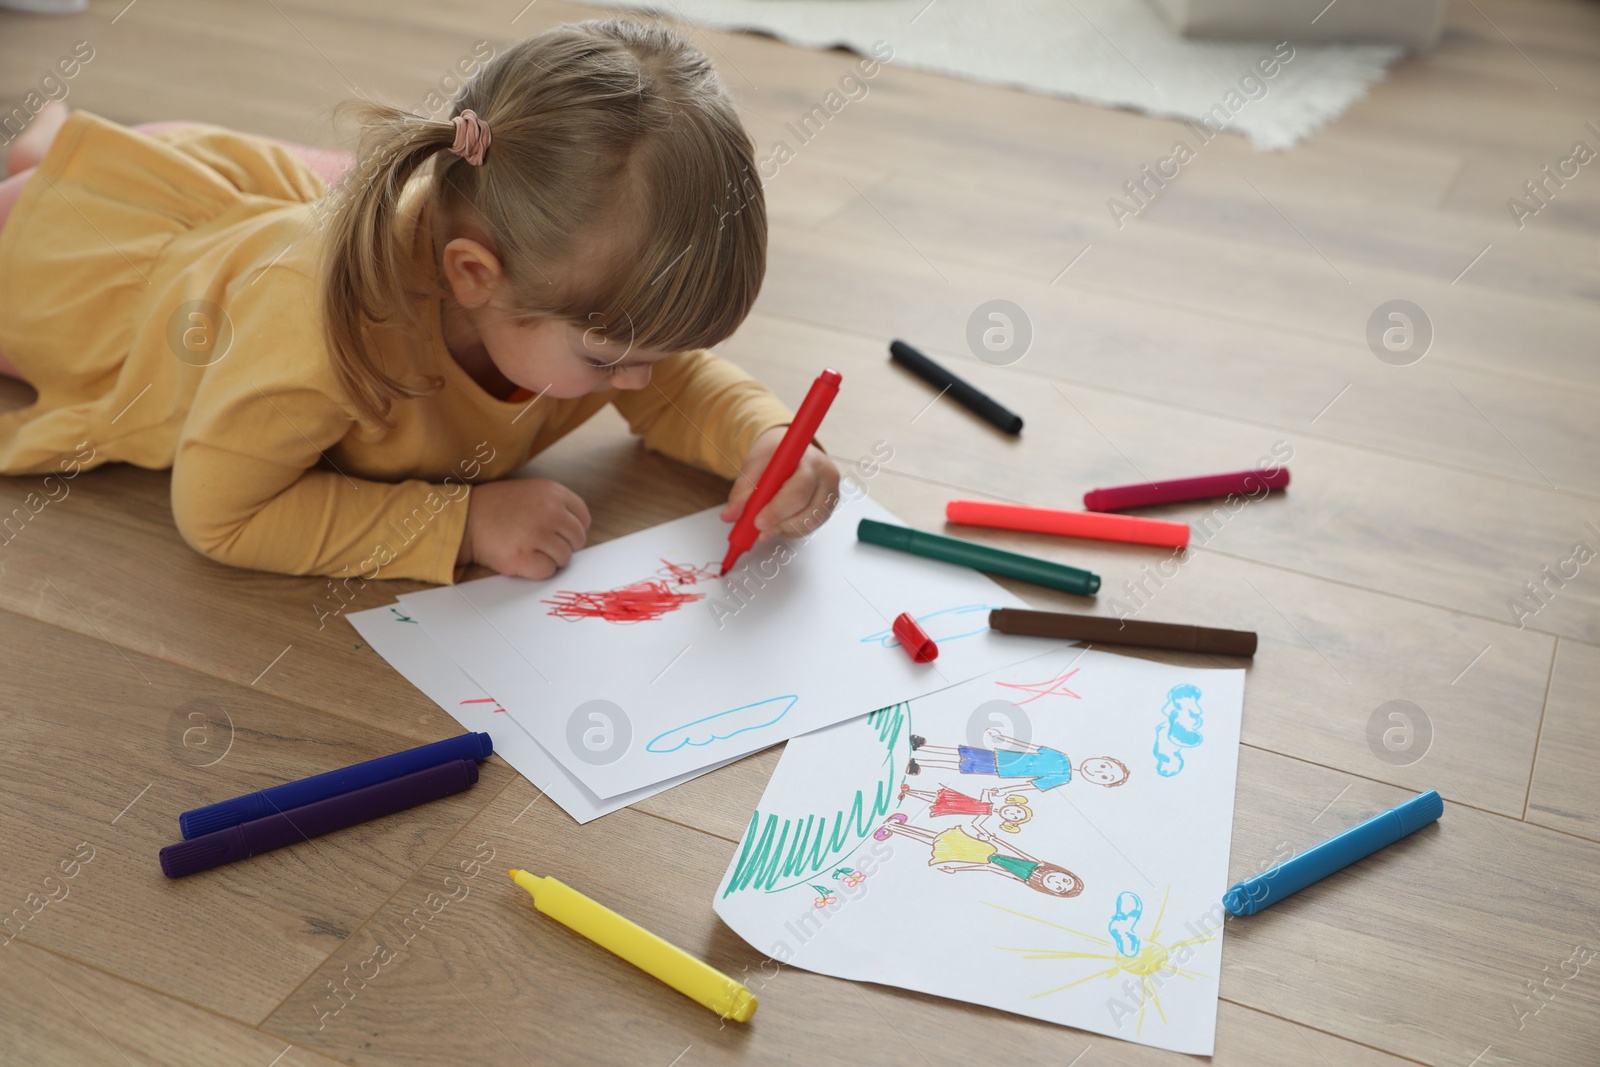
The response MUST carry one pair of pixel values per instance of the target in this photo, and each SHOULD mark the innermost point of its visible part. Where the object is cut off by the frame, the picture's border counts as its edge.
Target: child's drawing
(1014, 812)
(958, 849)
(1129, 908)
(1044, 767)
(942, 786)
(722, 725)
(497, 709)
(637, 602)
(779, 853)
(1056, 686)
(825, 897)
(1152, 963)
(849, 876)
(1179, 729)
(947, 624)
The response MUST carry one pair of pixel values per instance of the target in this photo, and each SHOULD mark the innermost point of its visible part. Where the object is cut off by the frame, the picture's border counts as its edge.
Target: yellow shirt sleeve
(244, 491)
(702, 410)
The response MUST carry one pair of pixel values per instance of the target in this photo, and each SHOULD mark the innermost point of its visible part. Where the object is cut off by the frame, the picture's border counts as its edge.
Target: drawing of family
(974, 846)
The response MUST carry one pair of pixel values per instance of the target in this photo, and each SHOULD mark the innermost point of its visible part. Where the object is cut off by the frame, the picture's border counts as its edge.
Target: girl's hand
(802, 503)
(527, 527)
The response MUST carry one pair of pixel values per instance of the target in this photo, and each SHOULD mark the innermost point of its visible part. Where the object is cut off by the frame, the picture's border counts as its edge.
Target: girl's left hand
(802, 504)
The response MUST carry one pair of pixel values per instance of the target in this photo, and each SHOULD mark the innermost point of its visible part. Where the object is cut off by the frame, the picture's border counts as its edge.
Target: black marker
(980, 404)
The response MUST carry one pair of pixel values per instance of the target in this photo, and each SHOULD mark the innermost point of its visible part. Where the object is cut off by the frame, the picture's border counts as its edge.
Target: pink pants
(328, 162)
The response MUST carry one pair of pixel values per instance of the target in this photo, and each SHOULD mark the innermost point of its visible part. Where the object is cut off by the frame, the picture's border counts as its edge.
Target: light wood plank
(1493, 422)
(55, 1011)
(1563, 795)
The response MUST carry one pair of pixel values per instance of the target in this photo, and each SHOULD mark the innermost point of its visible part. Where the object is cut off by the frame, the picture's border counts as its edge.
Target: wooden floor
(1227, 319)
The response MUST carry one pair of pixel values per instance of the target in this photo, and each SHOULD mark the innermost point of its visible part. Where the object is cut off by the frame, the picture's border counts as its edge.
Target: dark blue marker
(279, 798)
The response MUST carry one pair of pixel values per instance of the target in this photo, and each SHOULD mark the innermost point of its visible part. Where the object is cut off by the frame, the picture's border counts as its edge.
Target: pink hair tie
(472, 137)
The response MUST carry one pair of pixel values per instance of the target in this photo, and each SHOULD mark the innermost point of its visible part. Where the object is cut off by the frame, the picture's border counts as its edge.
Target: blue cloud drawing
(722, 725)
(947, 624)
(1129, 908)
(1178, 729)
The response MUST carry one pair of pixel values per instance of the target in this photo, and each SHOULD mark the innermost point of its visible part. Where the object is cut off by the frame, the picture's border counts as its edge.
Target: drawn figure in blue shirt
(1129, 908)
(1044, 767)
(1179, 729)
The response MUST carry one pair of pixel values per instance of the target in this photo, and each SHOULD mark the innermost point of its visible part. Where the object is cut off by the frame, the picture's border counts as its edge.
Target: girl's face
(1015, 814)
(547, 356)
(561, 359)
(1060, 883)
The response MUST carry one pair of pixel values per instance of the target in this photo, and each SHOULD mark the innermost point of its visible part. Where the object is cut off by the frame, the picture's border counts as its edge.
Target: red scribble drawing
(497, 709)
(638, 602)
(1054, 687)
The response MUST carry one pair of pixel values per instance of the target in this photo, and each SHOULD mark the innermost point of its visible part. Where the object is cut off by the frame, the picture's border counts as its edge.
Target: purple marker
(322, 817)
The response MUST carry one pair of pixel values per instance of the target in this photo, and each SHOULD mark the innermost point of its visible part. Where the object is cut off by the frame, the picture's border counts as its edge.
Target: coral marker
(783, 463)
(1093, 524)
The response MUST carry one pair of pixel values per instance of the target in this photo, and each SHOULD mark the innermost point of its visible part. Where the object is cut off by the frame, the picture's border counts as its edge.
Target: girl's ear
(473, 272)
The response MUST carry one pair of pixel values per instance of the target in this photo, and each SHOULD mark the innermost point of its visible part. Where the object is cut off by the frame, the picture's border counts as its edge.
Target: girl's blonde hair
(614, 126)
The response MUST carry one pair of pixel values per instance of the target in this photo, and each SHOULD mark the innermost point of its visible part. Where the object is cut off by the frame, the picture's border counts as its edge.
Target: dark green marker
(979, 557)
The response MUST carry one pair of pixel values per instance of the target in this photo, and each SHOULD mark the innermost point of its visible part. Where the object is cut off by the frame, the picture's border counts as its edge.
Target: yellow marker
(694, 979)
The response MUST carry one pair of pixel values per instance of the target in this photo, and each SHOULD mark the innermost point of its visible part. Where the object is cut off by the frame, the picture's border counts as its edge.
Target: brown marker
(1101, 630)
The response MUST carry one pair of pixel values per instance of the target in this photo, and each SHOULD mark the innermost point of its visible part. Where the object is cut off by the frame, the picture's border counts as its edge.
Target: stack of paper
(637, 667)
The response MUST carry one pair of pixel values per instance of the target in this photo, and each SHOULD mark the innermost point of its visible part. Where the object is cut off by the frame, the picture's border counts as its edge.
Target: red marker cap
(918, 645)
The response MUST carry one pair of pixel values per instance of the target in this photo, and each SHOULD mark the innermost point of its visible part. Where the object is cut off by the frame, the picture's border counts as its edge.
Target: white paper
(1133, 953)
(401, 640)
(795, 638)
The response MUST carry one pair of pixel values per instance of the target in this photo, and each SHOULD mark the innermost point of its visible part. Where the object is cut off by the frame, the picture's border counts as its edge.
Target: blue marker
(1336, 853)
(226, 813)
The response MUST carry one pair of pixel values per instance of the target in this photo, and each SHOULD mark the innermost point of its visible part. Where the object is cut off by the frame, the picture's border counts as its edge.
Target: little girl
(338, 377)
(1013, 813)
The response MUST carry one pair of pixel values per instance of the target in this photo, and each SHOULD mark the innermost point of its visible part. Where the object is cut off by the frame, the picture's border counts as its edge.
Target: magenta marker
(1204, 487)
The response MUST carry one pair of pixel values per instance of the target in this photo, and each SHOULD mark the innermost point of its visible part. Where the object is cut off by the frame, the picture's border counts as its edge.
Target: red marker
(783, 463)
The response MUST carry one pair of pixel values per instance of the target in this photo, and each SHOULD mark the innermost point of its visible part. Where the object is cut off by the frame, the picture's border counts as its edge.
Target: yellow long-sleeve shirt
(160, 292)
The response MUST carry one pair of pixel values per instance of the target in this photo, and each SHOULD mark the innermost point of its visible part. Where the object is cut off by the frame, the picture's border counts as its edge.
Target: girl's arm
(244, 491)
(707, 412)
(702, 410)
(259, 505)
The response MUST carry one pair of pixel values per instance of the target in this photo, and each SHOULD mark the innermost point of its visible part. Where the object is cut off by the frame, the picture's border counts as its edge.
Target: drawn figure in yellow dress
(962, 849)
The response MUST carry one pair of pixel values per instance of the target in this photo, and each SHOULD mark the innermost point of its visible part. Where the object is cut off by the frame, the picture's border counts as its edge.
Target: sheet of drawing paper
(401, 640)
(637, 663)
(1050, 839)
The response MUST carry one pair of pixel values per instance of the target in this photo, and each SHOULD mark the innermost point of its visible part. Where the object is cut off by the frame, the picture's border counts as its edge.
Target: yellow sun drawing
(1153, 963)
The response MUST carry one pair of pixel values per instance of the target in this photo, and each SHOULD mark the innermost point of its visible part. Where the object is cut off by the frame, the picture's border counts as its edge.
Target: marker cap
(918, 645)
(1419, 811)
(203, 853)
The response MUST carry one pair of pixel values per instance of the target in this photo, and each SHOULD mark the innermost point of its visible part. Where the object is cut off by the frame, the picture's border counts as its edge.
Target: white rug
(1113, 52)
